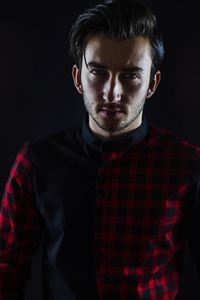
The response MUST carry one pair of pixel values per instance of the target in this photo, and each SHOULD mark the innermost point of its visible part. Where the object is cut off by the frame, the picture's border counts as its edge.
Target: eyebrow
(129, 68)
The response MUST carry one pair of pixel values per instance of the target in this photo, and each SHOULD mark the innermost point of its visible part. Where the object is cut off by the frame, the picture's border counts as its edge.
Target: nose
(112, 91)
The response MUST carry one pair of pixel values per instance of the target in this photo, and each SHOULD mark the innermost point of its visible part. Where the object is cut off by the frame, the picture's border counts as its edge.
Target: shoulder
(56, 139)
(65, 135)
(169, 142)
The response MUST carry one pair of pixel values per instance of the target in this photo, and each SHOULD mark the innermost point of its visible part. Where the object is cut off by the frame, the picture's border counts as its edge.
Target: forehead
(114, 53)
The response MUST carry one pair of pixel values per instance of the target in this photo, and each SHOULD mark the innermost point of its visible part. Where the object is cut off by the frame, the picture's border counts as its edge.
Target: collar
(131, 138)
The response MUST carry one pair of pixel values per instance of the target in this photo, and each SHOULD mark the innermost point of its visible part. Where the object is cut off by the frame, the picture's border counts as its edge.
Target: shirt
(114, 215)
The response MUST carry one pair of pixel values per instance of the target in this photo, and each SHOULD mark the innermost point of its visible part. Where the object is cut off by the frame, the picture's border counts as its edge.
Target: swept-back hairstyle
(119, 20)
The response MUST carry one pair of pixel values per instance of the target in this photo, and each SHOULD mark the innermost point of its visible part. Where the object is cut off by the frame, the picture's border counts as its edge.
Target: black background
(37, 95)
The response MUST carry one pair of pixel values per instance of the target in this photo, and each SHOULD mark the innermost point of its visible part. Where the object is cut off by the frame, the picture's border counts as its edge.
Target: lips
(111, 109)
(114, 112)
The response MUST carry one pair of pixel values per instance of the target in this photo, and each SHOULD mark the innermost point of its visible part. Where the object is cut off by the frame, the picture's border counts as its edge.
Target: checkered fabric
(19, 229)
(144, 194)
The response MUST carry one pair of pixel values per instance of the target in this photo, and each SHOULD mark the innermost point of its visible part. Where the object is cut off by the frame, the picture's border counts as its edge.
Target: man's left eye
(130, 76)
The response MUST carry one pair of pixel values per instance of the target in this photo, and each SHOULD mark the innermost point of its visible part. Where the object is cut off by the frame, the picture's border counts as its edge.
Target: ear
(153, 84)
(76, 75)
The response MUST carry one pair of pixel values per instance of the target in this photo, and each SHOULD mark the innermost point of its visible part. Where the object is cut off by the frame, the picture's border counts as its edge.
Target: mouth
(111, 112)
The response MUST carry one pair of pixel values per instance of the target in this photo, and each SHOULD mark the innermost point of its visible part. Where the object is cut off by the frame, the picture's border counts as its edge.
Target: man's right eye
(98, 72)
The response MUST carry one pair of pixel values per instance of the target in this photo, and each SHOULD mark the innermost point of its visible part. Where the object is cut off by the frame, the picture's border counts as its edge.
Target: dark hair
(119, 20)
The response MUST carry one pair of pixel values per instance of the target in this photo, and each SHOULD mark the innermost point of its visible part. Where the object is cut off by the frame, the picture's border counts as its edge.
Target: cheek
(142, 87)
(135, 93)
(92, 88)
(132, 89)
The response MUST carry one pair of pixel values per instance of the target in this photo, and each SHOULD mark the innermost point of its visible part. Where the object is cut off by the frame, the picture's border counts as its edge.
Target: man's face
(115, 82)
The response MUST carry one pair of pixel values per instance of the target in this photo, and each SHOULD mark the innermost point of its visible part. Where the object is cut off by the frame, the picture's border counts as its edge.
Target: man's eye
(98, 72)
(130, 76)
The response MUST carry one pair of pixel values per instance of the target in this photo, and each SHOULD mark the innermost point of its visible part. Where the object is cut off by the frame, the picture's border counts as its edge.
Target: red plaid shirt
(145, 192)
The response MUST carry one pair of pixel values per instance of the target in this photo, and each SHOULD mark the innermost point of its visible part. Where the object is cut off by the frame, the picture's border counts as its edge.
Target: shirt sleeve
(20, 228)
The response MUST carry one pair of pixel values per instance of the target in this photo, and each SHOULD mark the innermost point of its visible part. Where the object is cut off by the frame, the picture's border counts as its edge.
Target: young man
(113, 199)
